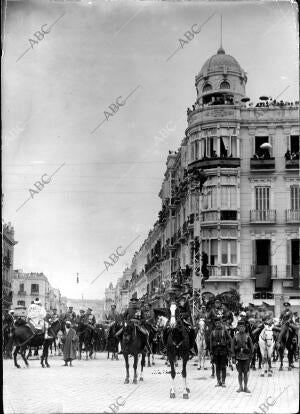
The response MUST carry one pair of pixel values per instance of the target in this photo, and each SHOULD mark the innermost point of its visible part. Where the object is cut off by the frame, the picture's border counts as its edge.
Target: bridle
(265, 339)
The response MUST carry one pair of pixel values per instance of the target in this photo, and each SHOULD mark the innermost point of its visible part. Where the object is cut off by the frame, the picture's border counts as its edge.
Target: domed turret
(221, 80)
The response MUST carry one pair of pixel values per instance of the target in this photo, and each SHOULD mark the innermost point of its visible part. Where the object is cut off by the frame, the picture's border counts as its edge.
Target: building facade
(29, 286)
(8, 243)
(231, 191)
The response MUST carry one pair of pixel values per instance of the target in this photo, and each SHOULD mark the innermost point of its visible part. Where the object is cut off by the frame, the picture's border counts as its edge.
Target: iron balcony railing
(22, 293)
(269, 270)
(223, 270)
(292, 216)
(262, 164)
(293, 271)
(262, 216)
(223, 215)
(292, 164)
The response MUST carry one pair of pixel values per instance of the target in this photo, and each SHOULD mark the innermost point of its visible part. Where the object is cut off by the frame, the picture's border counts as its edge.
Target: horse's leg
(173, 374)
(17, 348)
(23, 355)
(127, 368)
(148, 356)
(186, 390)
(46, 352)
(142, 365)
(135, 363)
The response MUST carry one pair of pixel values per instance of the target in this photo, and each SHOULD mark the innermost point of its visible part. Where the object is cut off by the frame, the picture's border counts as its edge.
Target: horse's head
(267, 334)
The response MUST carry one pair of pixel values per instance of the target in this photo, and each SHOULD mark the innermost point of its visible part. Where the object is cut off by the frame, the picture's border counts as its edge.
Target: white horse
(266, 345)
(201, 344)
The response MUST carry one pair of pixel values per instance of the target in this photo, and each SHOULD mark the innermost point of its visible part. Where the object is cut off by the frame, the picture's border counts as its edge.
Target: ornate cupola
(221, 80)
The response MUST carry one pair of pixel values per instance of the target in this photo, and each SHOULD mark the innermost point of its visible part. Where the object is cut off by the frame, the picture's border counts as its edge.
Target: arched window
(224, 85)
(207, 88)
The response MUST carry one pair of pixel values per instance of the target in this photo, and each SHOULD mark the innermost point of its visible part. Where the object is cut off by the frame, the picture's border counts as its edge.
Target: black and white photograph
(150, 206)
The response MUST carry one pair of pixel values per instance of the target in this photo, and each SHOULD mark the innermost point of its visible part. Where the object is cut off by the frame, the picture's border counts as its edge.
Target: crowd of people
(229, 331)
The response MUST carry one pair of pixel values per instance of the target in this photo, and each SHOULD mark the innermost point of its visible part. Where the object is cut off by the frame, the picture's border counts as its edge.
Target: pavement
(97, 385)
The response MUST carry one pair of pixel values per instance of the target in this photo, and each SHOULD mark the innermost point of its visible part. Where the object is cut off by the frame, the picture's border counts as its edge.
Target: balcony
(21, 293)
(292, 164)
(222, 271)
(214, 162)
(292, 216)
(293, 275)
(223, 215)
(263, 275)
(34, 293)
(262, 216)
(257, 164)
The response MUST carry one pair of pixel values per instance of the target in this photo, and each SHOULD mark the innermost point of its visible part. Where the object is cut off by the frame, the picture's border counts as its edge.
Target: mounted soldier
(215, 313)
(89, 318)
(80, 317)
(70, 315)
(227, 317)
(113, 315)
(287, 321)
(36, 314)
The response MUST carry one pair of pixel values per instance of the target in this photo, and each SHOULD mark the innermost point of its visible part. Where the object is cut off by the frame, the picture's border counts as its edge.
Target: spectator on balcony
(287, 155)
(214, 154)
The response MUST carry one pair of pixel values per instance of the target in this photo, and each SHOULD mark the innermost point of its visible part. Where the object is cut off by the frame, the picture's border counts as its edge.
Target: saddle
(34, 330)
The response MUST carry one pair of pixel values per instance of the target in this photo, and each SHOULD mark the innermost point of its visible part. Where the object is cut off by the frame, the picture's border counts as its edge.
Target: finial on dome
(221, 51)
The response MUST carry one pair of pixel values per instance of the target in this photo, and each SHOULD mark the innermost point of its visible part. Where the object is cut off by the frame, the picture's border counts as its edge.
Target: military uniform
(287, 321)
(70, 315)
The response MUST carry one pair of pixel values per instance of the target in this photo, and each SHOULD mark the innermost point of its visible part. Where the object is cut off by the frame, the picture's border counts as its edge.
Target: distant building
(29, 286)
(109, 297)
(96, 305)
(8, 243)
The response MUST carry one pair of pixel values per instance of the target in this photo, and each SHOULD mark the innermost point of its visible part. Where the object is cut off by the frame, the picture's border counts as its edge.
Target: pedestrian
(220, 350)
(70, 341)
(242, 352)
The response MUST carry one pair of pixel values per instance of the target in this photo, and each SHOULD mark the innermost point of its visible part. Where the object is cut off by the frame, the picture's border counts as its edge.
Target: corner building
(246, 216)
(249, 209)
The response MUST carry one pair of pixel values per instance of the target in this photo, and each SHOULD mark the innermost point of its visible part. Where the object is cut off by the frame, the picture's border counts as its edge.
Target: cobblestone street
(95, 386)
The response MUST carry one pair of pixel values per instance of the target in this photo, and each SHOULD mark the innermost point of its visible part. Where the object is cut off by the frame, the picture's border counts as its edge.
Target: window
(207, 88)
(210, 198)
(258, 142)
(295, 197)
(228, 197)
(34, 288)
(294, 143)
(21, 288)
(228, 251)
(262, 198)
(21, 303)
(224, 85)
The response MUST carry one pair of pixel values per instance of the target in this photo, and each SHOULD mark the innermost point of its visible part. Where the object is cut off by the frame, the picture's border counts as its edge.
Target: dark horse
(288, 341)
(133, 343)
(177, 339)
(23, 338)
(85, 333)
(112, 341)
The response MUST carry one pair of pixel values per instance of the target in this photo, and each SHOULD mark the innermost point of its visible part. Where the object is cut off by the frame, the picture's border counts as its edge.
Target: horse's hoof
(141, 379)
(188, 390)
(43, 366)
(185, 396)
(205, 369)
(153, 363)
(289, 369)
(149, 365)
(18, 366)
(48, 366)
(269, 375)
(172, 394)
(212, 376)
(126, 381)
(134, 381)
(198, 368)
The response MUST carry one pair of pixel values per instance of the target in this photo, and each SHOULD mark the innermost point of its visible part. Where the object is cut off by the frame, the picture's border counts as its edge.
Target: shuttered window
(295, 197)
(262, 198)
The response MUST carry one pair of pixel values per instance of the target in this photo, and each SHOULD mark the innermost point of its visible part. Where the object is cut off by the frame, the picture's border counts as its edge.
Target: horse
(7, 337)
(112, 341)
(85, 334)
(254, 334)
(152, 342)
(289, 341)
(177, 340)
(23, 337)
(200, 342)
(133, 343)
(266, 345)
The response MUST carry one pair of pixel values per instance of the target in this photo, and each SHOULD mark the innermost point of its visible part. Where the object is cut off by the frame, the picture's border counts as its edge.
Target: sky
(101, 183)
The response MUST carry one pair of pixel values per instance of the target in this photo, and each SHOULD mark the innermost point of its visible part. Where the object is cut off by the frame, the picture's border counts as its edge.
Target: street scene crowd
(217, 329)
